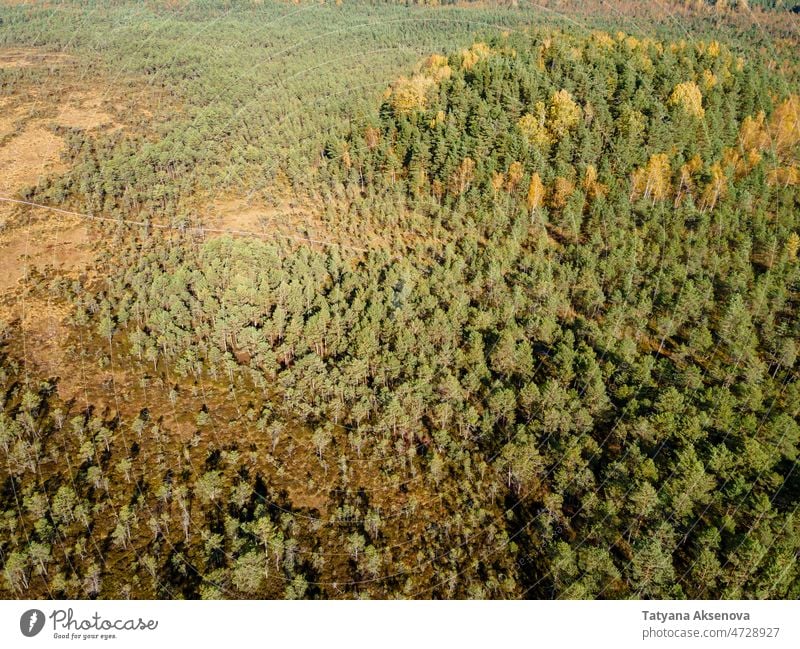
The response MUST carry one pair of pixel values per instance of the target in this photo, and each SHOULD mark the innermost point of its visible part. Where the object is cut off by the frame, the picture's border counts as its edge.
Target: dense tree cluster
(247, 92)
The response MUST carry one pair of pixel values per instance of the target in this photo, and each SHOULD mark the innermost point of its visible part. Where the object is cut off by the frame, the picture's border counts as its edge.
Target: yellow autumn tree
(462, 177)
(780, 135)
(751, 159)
(535, 193)
(498, 180)
(688, 96)
(753, 134)
(372, 136)
(437, 189)
(544, 124)
(408, 95)
(653, 180)
(603, 39)
(533, 126)
(793, 246)
(716, 187)
(474, 54)
(731, 158)
(514, 176)
(436, 67)
(346, 159)
(784, 125)
(709, 80)
(686, 182)
(784, 176)
(564, 113)
(590, 184)
(562, 190)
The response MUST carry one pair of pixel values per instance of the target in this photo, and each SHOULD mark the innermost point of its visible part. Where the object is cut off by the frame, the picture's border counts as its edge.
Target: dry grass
(31, 58)
(28, 156)
(43, 333)
(41, 249)
(238, 214)
(65, 245)
(9, 116)
(83, 110)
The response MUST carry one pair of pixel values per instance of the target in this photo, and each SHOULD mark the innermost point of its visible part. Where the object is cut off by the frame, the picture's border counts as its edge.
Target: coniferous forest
(399, 300)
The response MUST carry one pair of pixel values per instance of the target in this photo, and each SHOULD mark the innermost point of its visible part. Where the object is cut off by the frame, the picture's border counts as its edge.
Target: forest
(376, 300)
